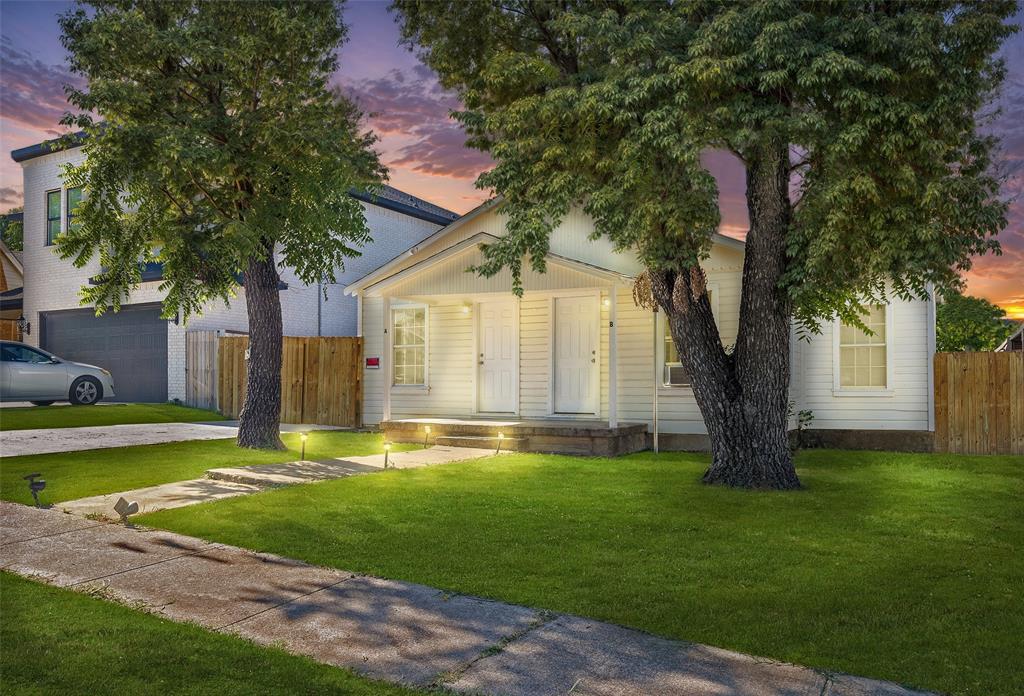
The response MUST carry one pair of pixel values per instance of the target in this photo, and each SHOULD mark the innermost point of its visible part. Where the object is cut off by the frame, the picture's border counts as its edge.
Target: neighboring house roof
(1014, 342)
(387, 269)
(386, 197)
(13, 256)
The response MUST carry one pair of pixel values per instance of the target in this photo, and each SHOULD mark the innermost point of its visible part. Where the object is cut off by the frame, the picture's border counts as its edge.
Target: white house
(145, 353)
(447, 347)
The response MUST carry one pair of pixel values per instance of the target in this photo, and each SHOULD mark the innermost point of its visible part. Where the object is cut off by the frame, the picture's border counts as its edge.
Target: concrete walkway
(398, 631)
(229, 482)
(15, 443)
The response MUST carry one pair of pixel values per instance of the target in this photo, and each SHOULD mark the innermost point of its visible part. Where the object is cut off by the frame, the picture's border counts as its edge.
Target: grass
(101, 414)
(58, 641)
(897, 566)
(71, 475)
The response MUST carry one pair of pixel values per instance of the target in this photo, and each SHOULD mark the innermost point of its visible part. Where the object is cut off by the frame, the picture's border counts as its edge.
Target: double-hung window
(74, 198)
(52, 216)
(673, 374)
(863, 356)
(409, 345)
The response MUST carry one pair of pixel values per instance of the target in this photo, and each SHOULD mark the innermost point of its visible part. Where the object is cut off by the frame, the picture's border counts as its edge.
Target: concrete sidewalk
(399, 631)
(15, 443)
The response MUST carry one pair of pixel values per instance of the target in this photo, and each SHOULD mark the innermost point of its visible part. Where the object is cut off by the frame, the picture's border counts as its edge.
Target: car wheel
(85, 391)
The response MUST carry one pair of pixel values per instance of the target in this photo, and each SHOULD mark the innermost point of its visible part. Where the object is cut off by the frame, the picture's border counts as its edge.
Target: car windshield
(12, 352)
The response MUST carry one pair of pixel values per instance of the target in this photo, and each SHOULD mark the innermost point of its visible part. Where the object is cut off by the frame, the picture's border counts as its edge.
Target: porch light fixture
(501, 436)
(607, 302)
(426, 435)
(387, 450)
(24, 325)
(465, 308)
(303, 437)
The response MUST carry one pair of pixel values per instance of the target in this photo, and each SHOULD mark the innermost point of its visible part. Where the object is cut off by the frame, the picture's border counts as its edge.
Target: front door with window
(498, 357)
(575, 355)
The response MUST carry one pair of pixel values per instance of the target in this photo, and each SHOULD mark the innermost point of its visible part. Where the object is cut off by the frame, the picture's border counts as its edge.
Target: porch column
(387, 358)
(613, 360)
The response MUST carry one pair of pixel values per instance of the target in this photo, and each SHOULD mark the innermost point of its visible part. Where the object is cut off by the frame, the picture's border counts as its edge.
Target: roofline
(382, 271)
(451, 252)
(6, 251)
(48, 147)
(1004, 346)
(400, 207)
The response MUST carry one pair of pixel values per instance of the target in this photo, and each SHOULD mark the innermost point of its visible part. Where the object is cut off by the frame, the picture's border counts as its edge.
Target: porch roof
(376, 288)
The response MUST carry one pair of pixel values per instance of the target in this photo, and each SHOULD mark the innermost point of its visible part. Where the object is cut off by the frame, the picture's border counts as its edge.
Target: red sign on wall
(373, 363)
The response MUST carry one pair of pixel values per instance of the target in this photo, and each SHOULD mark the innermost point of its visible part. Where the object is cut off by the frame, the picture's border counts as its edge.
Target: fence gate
(321, 379)
(979, 403)
(201, 369)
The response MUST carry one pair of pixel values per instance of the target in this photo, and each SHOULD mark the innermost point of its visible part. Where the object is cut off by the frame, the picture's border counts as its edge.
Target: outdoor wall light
(426, 435)
(465, 309)
(303, 437)
(607, 302)
(24, 325)
(387, 450)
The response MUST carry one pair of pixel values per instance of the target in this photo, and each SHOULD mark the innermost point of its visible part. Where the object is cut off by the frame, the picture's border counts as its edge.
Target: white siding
(447, 288)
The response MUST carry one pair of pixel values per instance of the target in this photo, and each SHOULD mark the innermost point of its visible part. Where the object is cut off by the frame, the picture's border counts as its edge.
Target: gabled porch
(549, 435)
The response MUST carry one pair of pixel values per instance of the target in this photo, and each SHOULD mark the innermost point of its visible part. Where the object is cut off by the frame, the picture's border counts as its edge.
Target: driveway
(14, 443)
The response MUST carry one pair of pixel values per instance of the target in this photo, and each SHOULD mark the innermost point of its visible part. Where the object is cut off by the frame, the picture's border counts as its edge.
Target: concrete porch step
(508, 444)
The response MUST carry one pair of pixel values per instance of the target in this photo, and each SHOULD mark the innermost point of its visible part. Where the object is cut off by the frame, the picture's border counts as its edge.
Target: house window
(673, 374)
(52, 216)
(74, 198)
(409, 345)
(863, 357)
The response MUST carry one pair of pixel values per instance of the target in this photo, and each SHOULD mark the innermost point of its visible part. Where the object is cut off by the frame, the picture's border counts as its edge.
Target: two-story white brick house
(145, 353)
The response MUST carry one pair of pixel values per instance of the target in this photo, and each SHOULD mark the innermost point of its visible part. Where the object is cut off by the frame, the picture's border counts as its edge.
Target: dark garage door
(132, 344)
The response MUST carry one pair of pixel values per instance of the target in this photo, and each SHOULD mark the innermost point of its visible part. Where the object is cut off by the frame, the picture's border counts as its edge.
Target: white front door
(575, 355)
(498, 362)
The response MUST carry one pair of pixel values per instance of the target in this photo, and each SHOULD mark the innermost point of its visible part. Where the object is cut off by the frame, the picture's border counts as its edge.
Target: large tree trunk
(743, 395)
(260, 421)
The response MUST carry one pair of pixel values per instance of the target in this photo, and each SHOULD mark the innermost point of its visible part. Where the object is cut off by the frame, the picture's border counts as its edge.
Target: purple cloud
(412, 106)
(10, 196)
(33, 92)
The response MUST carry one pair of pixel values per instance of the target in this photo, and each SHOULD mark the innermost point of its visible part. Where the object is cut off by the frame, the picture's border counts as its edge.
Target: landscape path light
(303, 437)
(387, 450)
(501, 436)
(426, 435)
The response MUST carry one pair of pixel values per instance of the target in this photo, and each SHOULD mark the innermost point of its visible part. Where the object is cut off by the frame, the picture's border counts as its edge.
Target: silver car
(31, 374)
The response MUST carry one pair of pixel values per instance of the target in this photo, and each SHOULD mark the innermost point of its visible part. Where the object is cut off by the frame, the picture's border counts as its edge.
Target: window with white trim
(673, 374)
(409, 345)
(863, 357)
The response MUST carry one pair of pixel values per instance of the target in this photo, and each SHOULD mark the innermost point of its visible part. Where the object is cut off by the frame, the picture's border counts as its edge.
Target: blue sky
(423, 148)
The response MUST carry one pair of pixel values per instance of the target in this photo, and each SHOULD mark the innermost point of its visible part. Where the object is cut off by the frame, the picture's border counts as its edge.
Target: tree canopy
(611, 104)
(969, 323)
(214, 137)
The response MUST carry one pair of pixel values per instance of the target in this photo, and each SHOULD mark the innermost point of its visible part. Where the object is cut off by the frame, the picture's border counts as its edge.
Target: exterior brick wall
(54, 284)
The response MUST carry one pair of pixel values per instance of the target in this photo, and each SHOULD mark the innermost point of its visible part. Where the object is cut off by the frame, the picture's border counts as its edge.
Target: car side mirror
(54, 361)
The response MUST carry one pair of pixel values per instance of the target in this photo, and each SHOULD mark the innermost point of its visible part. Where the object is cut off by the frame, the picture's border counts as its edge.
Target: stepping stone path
(230, 482)
(398, 631)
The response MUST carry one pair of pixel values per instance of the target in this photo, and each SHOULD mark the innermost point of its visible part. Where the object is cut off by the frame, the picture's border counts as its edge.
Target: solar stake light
(387, 450)
(303, 437)
(123, 508)
(426, 435)
(35, 485)
(501, 436)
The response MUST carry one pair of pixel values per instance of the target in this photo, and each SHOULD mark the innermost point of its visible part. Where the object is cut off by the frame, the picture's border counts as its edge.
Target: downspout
(654, 400)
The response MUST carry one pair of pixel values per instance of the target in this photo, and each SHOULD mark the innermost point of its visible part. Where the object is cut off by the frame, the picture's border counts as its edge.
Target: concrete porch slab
(162, 497)
(389, 630)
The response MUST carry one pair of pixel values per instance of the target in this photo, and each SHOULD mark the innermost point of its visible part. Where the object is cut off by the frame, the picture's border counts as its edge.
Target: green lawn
(898, 566)
(61, 642)
(101, 414)
(71, 475)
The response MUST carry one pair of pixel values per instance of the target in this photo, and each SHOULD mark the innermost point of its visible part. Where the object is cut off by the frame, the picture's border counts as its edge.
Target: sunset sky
(420, 143)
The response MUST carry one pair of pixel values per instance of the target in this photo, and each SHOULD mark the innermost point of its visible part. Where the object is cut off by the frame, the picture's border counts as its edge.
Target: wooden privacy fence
(321, 379)
(979, 403)
(201, 369)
